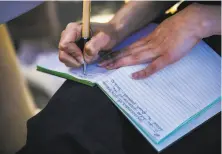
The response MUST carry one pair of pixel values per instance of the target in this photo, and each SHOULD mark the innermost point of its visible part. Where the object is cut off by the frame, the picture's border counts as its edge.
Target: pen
(85, 27)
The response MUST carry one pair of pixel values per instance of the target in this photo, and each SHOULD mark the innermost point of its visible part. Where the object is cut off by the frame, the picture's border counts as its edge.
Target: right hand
(104, 38)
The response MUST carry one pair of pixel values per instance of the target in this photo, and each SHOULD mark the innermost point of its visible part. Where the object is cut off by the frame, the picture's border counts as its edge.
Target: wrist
(118, 26)
(119, 34)
(207, 20)
(203, 23)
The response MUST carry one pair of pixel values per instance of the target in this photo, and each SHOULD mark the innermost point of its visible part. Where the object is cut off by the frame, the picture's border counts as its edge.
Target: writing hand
(104, 38)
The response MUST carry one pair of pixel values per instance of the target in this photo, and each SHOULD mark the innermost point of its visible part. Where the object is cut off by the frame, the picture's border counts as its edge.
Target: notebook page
(162, 103)
(50, 61)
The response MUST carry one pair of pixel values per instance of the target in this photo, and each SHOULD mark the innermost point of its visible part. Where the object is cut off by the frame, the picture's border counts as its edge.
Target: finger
(62, 34)
(128, 60)
(139, 46)
(96, 44)
(68, 60)
(138, 58)
(155, 66)
(139, 54)
(71, 34)
(112, 57)
(104, 63)
(61, 38)
(141, 42)
(124, 53)
(75, 52)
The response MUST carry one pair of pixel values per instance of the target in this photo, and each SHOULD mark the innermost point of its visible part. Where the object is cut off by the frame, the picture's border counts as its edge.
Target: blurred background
(38, 32)
(24, 41)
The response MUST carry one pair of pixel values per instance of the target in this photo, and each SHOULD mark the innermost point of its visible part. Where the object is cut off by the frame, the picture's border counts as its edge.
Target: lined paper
(170, 98)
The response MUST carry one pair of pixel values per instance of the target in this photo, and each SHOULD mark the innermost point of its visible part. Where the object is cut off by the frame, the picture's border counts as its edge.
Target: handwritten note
(135, 109)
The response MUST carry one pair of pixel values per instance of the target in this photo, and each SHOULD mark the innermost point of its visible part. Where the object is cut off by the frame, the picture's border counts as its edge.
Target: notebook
(165, 106)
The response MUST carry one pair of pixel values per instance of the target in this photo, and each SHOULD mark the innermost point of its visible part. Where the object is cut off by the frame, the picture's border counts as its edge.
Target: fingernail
(110, 66)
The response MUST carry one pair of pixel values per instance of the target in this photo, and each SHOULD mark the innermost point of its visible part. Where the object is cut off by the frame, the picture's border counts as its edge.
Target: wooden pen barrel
(86, 19)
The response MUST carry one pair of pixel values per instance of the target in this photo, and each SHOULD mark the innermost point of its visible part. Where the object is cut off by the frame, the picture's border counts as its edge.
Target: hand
(168, 43)
(69, 53)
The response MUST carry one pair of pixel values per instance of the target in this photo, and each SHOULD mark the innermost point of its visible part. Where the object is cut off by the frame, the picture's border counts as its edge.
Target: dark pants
(82, 120)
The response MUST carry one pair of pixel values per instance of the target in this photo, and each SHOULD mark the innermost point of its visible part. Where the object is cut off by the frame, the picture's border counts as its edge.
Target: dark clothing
(81, 120)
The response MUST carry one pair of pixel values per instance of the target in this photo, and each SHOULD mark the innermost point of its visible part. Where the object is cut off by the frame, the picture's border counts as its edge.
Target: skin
(170, 41)
(134, 15)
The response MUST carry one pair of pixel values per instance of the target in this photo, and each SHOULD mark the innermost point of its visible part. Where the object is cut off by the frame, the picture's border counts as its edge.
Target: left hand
(168, 43)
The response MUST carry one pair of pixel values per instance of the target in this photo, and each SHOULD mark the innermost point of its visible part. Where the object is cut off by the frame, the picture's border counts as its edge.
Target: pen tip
(84, 68)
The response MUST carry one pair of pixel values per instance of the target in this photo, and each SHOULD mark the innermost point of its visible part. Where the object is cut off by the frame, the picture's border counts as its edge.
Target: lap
(82, 120)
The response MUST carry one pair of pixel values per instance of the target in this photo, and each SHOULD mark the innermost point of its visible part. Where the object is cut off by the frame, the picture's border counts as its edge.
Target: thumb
(96, 44)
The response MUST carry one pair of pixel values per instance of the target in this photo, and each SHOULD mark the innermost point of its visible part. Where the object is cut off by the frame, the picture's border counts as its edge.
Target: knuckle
(61, 56)
(153, 67)
(72, 25)
(69, 25)
(62, 46)
(62, 33)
